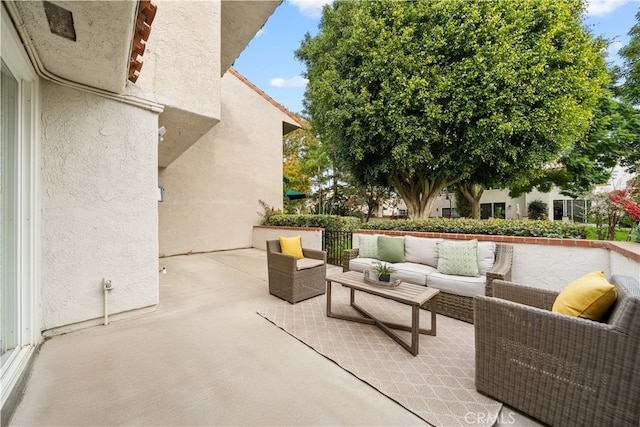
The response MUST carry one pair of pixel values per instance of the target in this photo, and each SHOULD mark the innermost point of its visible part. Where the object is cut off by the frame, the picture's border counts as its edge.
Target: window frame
(26, 172)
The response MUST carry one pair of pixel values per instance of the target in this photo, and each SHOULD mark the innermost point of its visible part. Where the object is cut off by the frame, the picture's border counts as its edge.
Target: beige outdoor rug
(437, 385)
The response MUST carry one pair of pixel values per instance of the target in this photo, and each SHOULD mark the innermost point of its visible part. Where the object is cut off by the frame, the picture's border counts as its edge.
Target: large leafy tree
(631, 69)
(423, 94)
(306, 167)
(613, 130)
(630, 91)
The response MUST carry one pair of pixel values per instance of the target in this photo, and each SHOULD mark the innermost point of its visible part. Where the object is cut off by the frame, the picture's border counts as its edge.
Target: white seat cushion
(360, 264)
(465, 286)
(304, 263)
(412, 273)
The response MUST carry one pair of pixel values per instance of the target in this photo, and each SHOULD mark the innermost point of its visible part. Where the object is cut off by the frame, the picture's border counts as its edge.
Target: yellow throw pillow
(590, 297)
(291, 246)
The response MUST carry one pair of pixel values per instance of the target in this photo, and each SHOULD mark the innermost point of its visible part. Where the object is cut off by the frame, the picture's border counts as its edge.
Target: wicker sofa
(560, 369)
(450, 301)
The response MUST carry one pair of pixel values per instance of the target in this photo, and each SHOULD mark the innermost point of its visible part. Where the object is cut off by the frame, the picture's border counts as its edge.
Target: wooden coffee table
(406, 293)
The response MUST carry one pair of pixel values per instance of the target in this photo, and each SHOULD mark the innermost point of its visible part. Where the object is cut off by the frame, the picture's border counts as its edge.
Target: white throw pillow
(421, 250)
(368, 246)
(486, 256)
(458, 258)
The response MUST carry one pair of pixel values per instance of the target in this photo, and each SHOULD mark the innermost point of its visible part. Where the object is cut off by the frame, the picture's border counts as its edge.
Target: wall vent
(60, 21)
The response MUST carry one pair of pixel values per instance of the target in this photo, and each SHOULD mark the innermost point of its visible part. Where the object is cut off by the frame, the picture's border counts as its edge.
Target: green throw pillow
(458, 258)
(368, 246)
(391, 249)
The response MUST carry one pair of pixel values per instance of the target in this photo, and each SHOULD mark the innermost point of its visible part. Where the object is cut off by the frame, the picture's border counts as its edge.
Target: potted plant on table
(383, 271)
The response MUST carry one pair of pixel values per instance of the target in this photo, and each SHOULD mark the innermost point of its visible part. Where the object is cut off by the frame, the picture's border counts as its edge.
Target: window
(450, 213)
(19, 327)
(8, 207)
(492, 210)
(574, 210)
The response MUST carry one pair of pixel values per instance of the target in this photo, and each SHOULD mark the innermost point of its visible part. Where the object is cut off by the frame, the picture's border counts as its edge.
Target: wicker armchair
(295, 280)
(458, 306)
(560, 369)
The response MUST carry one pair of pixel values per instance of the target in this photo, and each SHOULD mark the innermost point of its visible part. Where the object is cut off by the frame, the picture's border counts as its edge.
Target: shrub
(496, 227)
(328, 222)
(500, 227)
(537, 210)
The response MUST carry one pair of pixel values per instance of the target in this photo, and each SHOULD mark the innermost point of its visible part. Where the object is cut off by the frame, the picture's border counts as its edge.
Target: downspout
(42, 71)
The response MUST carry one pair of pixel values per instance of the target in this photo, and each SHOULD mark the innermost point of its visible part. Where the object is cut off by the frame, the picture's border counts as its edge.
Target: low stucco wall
(99, 206)
(311, 237)
(553, 267)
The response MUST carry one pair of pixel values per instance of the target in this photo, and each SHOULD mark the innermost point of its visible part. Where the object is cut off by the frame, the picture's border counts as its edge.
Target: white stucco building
(86, 87)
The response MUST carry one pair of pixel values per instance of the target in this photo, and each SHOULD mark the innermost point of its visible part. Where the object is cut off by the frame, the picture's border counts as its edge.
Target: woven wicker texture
(456, 306)
(436, 385)
(289, 283)
(562, 370)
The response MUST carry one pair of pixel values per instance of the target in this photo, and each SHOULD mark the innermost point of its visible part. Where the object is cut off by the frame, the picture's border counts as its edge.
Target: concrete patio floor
(203, 358)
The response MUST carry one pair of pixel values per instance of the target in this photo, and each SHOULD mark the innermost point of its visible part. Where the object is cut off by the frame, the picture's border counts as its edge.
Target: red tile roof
(142, 27)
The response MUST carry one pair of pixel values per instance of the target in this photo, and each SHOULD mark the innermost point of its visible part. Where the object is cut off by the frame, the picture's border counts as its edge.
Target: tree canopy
(631, 70)
(630, 91)
(423, 94)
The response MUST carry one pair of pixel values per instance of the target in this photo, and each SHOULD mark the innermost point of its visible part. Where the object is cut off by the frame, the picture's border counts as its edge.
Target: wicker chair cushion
(391, 249)
(458, 258)
(421, 250)
(291, 246)
(368, 245)
(589, 297)
(304, 263)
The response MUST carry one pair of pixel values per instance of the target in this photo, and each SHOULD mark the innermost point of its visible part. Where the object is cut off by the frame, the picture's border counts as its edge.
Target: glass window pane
(8, 207)
(558, 210)
(485, 211)
(499, 210)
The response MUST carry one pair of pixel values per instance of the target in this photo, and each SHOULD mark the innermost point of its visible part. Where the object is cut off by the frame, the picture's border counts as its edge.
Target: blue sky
(269, 61)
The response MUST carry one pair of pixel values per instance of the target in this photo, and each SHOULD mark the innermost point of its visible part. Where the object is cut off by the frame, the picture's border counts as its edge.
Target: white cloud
(260, 32)
(603, 7)
(297, 81)
(614, 47)
(310, 8)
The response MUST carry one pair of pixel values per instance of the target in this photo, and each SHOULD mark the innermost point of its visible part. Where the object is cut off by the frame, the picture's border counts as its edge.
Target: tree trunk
(419, 194)
(371, 206)
(473, 193)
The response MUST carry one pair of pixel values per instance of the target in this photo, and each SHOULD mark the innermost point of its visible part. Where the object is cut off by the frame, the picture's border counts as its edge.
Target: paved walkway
(203, 358)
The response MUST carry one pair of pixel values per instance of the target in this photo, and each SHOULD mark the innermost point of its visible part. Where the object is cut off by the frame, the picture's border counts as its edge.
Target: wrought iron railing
(335, 242)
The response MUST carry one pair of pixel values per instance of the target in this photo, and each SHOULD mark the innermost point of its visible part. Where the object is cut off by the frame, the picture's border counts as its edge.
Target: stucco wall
(182, 57)
(621, 264)
(212, 190)
(99, 206)
(553, 267)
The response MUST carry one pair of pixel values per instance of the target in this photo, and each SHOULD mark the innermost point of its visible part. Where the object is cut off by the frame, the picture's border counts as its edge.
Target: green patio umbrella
(294, 195)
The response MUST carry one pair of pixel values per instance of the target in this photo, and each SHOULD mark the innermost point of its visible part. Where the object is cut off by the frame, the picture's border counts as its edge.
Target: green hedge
(328, 222)
(500, 227)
